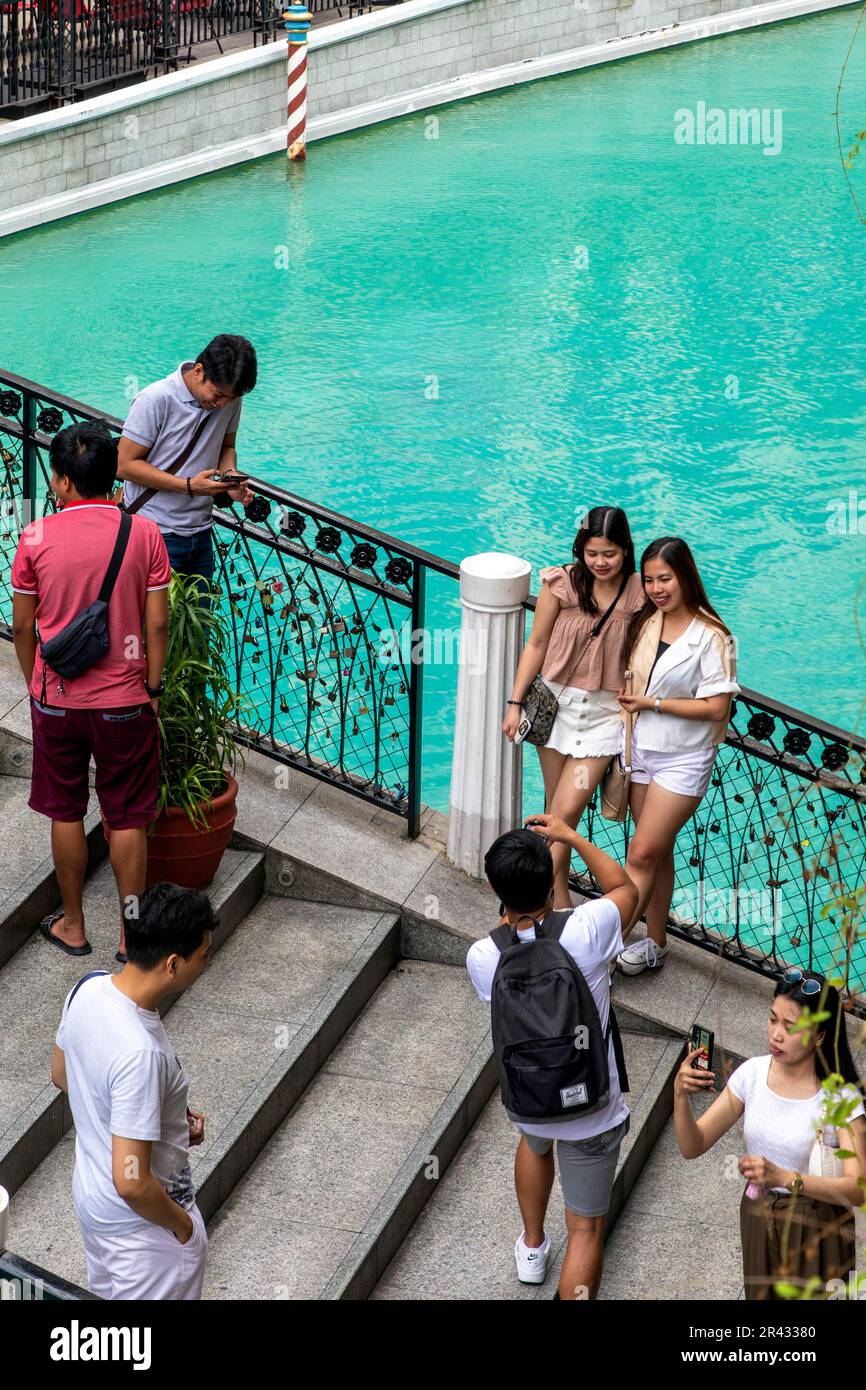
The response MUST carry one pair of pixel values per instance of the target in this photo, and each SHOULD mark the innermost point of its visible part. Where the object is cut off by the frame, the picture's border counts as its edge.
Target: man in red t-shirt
(110, 710)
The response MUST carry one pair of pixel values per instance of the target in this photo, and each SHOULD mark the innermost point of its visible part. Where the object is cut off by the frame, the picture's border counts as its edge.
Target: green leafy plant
(197, 748)
(848, 158)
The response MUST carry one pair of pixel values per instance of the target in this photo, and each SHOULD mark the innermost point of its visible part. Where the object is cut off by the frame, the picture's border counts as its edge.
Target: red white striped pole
(297, 19)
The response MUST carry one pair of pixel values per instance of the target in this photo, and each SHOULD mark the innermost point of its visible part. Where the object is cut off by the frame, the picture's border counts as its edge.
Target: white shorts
(688, 773)
(149, 1263)
(588, 723)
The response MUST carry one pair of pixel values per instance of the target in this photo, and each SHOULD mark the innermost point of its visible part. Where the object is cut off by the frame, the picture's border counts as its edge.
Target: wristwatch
(658, 704)
(796, 1184)
(155, 693)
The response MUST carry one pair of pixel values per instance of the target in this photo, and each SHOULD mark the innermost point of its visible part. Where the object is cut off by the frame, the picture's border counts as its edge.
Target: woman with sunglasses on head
(577, 644)
(678, 700)
(795, 1224)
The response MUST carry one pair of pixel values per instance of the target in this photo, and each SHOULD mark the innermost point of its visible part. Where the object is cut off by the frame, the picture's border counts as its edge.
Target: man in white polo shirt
(196, 409)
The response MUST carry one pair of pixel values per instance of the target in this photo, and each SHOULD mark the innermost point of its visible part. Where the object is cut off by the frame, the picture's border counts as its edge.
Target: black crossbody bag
(84, 640)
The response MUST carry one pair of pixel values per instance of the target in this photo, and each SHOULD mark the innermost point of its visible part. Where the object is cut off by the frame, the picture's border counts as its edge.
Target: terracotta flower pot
(183, 853)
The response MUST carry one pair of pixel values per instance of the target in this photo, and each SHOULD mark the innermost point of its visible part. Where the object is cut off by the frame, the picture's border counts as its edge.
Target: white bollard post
(486, 773)
(4, 1218)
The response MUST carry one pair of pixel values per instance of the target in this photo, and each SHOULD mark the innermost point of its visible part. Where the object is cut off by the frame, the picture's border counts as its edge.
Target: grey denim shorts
(587, 1167)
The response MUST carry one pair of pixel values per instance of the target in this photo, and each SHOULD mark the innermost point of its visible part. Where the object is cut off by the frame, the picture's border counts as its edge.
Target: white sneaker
(642, 955)
(531, 1264)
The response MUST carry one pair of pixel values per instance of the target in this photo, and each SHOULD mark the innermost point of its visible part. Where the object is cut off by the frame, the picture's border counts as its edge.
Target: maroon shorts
(124, 743)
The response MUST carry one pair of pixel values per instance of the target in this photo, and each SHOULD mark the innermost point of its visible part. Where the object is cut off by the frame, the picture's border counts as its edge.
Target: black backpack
(548, 1043)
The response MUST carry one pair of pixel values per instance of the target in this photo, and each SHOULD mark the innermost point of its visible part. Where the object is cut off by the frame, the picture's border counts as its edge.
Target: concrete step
(252, 1032)
(679, 1235)
(462, 1245)
(334, 1191)
(29, 834)
(29, 888)
(33, 986)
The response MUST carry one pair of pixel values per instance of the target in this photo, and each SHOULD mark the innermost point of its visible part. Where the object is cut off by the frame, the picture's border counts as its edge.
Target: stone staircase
(355, 1143)
(329, 1071)
(356, 1147)
(462, 1246)
(341, 1083)
(305, 1219)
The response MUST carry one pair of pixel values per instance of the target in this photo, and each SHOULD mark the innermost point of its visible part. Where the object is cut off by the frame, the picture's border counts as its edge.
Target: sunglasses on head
(796, 977)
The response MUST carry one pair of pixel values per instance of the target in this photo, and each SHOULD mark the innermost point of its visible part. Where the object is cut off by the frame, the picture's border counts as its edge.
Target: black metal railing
(56, 51)
(769, 873)
(24, 1282)
(315, 603)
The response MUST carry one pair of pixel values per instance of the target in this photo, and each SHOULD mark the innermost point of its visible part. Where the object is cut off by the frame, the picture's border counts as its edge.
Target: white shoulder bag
(823, 1160)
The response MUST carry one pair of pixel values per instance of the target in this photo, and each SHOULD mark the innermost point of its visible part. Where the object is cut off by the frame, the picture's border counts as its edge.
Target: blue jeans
(190, 554)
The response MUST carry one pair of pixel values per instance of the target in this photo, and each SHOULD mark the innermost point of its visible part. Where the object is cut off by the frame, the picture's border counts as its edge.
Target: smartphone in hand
(704, 1038)
(231, 479)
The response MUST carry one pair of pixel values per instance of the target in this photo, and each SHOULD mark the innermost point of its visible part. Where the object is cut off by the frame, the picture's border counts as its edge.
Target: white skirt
(588, 723)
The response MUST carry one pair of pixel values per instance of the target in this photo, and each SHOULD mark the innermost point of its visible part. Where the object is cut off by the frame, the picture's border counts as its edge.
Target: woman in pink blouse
(585, 672)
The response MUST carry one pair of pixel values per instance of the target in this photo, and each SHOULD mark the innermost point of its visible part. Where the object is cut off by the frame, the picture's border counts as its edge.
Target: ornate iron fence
(315, 603)
(57, 51)
(770, 873)
(22, 1281)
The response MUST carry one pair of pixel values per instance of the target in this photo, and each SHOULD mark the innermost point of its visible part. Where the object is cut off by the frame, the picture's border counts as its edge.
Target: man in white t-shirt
(519, 868)
(144, 1237)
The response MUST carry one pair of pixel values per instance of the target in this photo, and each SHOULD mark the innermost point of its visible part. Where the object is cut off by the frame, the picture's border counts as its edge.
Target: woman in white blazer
(679, 696)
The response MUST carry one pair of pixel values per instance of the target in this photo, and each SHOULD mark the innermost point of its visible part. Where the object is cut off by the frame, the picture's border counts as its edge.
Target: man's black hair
(86, 454)
(230, 361)
(519, 868)
(171, 921)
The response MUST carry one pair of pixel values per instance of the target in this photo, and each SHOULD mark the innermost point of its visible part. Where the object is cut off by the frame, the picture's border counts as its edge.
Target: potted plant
(196, 809)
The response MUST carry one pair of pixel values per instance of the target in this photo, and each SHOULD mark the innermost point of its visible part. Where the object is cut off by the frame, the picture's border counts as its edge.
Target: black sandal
(45, 929)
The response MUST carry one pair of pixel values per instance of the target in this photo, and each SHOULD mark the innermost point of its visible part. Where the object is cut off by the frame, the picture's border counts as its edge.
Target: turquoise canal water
(475, 324)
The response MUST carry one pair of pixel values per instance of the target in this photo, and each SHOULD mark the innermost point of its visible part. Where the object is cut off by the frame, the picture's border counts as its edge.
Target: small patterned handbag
(539, 712)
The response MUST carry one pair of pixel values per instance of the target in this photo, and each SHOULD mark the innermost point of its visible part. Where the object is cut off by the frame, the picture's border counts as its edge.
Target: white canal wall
(363, 70)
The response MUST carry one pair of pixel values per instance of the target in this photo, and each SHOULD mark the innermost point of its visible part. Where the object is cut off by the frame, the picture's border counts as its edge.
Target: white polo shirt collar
(179, 387)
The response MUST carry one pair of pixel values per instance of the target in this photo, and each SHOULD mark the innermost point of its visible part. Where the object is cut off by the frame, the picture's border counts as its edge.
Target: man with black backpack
(91, 578)
(546, 976)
